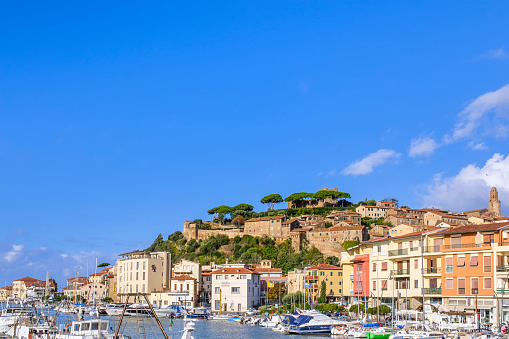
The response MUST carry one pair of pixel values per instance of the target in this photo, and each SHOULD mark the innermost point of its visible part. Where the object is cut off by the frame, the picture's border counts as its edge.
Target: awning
(479, 308)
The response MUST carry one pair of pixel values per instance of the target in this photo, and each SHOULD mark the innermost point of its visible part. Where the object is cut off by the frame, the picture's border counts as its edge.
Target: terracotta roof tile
(325, 267)
(232, 270)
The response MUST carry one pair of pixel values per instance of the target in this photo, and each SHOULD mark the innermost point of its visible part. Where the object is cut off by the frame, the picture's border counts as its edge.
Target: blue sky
(118, 121)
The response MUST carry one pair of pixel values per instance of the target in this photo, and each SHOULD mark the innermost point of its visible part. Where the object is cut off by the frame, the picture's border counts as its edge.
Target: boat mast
(75, 283)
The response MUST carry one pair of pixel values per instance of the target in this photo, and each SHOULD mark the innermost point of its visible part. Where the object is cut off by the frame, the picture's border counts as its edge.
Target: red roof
(183, 277)
(231, 270)
(325, 267)
(267, 270)
(477, 228)
(6, 288)
(396, 237)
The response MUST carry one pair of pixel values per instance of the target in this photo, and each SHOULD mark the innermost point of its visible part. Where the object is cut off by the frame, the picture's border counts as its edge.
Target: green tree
(332, 260)
(271, 200)
(354, 308)
(51, 280)
(276, 292)
(297, 196)
(349, 243)
(323, 293)
(105, 264)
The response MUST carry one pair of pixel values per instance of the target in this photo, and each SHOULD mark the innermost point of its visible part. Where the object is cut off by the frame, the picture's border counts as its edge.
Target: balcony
(403, 251)
(502, 291)
(461, 290)
(432, 249)
(311, 277)
(432, 290)
(414, 249)
(503, 268)
(463, 246)
(404, 271)
(432, 270)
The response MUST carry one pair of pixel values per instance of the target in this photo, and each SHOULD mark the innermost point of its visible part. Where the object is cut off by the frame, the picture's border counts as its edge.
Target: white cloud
(495, 54)
(14, 254)
(477, 146)
(370, 161)
(423, 146)
(478, 112)
(470, 188)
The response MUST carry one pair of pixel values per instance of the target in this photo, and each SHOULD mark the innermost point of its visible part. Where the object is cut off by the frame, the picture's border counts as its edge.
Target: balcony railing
(503, 268)
(379, 254)
(432, 270)
(432, 290)
(310, 277)
(413, 249)
(503, 243)
(432, 249)
(461, 290)
(403, 251)
(459, 246)
(502, 291)
(403, 271)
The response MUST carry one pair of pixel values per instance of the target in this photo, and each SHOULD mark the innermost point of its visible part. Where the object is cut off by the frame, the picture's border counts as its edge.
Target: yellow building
(5, 292)
(333, 278)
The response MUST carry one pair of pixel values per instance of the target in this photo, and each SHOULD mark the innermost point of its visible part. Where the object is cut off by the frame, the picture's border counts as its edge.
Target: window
(322, 273)
(449, 284)
(474, 260)
(331, 274)
(461, 262)
(488, 238)
(217, 291)
(374, 267)
(143, 275)
(416, 263)
(384, 285)
(475, 285)
(487, 264)
(374, 285)
(416, 283)
(226, 276)
(461, 286)
(219, 277)
(487, 283)
(330, 283)
(137, 265)
(384, 266)
(235, 290)
(448, 264)
(243, 276)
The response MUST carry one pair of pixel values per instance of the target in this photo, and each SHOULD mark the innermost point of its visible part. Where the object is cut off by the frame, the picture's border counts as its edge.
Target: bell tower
(494, 204)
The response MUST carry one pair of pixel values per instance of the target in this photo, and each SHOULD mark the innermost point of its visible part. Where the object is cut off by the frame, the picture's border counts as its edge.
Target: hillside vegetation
(246, 249)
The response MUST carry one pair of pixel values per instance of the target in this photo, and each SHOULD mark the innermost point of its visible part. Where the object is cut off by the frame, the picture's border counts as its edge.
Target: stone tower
(494, 205)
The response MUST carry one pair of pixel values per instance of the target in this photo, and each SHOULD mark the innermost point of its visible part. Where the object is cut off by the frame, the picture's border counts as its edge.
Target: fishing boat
(86, 329)
(198, 313)
(13, 314)
(221, 317)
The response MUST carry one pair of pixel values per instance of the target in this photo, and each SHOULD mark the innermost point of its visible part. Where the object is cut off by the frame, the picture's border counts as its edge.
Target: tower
(494, 204)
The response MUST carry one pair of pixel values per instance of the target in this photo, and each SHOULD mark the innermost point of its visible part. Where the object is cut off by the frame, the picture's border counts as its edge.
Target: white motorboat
(272, 322)
(222, 317)
(417, 331)
(312, 322)
(13, 315)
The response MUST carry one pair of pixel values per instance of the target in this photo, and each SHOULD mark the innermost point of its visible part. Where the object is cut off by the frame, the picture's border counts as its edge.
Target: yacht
(13, 315)
(312, 322)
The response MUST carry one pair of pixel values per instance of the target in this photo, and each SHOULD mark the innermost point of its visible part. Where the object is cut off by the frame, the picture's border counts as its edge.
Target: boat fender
(338, 328)
(29, 335)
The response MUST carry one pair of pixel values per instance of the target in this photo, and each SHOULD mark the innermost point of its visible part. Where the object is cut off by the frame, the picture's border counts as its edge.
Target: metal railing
(403, 271)
(461, 290)
(432, 249)
(504, 268)
(413, 249)
(432, 290)
(502, 291)
(432, 270)
(403, 251)
(458, 246)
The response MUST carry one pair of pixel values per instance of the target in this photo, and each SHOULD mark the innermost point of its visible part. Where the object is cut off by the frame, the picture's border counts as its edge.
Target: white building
(235, 289)
(143, 272)
(183, 291)
(373, 212)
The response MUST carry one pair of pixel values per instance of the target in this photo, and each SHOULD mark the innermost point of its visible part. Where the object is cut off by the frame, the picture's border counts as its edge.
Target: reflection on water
(211, 329)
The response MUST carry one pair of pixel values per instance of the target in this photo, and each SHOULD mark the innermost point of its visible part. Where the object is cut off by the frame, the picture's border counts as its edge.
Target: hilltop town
(370, 253)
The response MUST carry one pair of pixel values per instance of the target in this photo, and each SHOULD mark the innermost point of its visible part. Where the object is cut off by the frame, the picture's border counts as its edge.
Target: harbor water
(210, 329)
